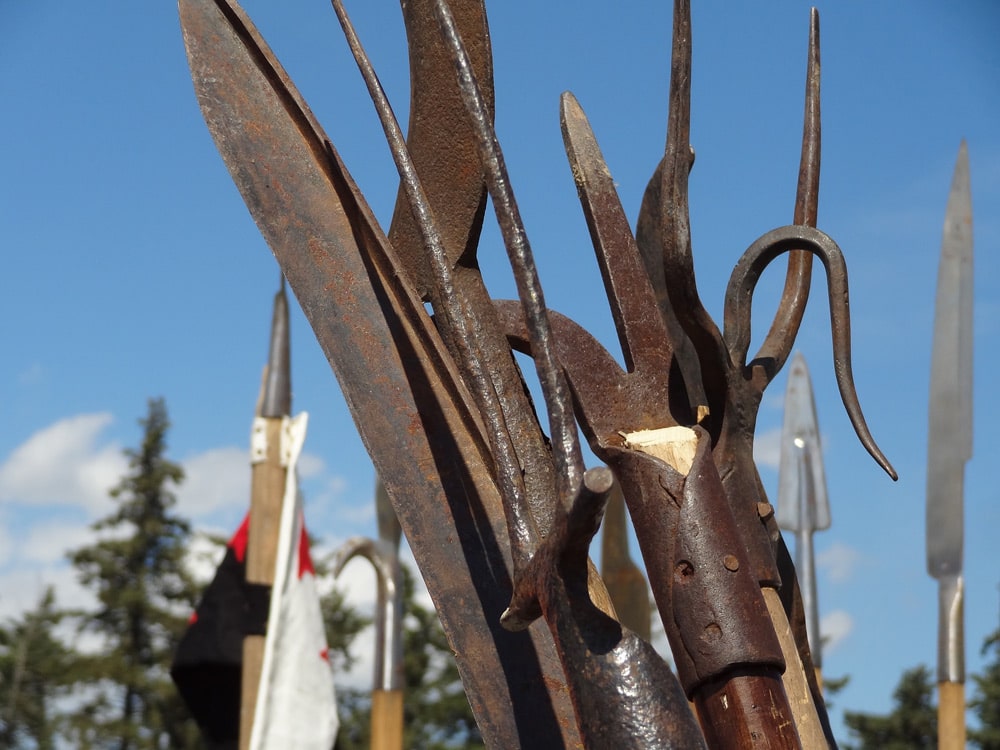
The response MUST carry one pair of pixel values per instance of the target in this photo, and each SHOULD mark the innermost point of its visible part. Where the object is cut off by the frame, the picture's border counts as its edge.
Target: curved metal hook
(739, 298)
(389, 607)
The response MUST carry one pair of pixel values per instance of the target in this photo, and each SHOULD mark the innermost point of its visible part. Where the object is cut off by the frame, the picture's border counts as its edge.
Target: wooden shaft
(267, 488)
(951, 716)
(625, 582)
(746, 711)
(800, 697)
(387, 720)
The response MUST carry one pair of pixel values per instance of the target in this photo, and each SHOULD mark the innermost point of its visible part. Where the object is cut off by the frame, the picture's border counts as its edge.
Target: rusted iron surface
(408, 402)
(499, 514)
(551, 572)
(681, 343)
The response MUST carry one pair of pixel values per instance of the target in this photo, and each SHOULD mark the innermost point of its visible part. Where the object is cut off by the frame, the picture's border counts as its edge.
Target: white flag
(296, 706)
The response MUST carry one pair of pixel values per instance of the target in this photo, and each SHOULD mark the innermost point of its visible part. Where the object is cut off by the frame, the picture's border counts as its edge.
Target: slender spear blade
(950, 423)
(276, 393)
(950, 444)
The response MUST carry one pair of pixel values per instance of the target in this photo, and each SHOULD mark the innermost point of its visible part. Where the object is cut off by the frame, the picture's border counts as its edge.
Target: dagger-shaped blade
(950, 419)
(803, 505)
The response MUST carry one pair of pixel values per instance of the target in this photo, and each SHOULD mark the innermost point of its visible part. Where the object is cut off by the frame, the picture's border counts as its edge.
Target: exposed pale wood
(598, 591)
(951, 716)
(800, 698)
(675, 445)
(626, 584)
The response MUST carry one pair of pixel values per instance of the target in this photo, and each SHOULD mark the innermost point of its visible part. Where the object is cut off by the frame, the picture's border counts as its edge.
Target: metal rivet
(731, 562)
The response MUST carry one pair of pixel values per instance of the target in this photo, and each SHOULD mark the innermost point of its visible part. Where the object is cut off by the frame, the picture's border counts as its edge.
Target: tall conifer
(144, 595)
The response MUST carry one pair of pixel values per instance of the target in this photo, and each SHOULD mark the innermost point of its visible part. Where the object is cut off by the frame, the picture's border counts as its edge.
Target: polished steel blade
(389, 620)
(950, 421)
(803, 504)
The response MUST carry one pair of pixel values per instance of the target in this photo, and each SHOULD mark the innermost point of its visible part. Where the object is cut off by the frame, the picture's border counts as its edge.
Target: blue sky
(134, 270)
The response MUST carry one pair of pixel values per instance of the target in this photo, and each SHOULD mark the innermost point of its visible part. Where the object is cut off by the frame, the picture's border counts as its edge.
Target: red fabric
(239, 541)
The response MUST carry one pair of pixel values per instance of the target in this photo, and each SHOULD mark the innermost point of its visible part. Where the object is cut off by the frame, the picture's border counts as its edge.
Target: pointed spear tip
(276, 390)
(801, 477)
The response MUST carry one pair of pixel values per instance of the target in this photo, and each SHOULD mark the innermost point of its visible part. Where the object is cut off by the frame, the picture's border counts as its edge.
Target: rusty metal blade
(442, 145)
(641, 332)
(413, 415)
(950, 421)
(440, 140)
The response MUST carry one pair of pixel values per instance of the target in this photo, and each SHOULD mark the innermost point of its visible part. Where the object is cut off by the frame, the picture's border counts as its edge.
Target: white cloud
(216, 479)
(311, 465)
(839, 562)
(22, 588)
(32, 375)
(203, 557)
(835, 627)
(64, 464)
(6, 543)
(47, 543)
(767, 448)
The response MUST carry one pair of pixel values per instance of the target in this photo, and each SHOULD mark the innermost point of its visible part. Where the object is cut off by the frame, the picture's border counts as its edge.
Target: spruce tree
(985, 703)
(912, 723)
(144, 594)
(35, 670)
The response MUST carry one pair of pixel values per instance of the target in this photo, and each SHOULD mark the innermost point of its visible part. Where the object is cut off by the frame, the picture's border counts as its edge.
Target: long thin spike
(447, 303)
(566, 445)
(675, 227)
(781, 336)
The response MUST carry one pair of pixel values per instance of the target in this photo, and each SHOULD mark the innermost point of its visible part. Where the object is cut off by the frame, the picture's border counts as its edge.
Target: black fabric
(208, 662)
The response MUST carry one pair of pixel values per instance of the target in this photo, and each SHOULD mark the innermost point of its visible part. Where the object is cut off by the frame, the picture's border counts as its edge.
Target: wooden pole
(625, 582)
(267, 488)
(951, 716)
(800, 697)
(387, 720)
